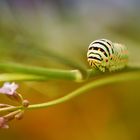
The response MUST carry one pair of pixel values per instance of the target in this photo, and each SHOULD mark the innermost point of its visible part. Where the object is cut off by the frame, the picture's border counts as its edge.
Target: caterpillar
(105, 55)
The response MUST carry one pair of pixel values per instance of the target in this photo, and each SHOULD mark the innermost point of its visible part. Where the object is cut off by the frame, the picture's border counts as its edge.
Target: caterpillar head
(97, 60)
(100, 54)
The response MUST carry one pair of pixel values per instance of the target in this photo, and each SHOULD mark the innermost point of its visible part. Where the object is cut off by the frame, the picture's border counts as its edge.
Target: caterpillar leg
(102, 69)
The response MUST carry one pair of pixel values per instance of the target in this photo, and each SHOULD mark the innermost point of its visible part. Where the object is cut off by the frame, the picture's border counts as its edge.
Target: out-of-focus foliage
(33, 32)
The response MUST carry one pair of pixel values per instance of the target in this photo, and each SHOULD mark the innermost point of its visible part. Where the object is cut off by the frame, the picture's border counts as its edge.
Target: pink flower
(8, 88)
(3, 123)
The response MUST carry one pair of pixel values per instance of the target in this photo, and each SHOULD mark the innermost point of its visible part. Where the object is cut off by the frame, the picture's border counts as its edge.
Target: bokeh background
(37, 32)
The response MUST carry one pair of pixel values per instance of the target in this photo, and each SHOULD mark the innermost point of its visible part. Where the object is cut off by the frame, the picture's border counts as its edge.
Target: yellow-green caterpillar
(106, 55)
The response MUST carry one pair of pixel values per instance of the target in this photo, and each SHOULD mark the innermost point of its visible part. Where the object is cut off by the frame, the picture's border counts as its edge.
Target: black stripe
(96, 48)
(106, 41)
(90, 48)
(103, 45)
(96, 54)
(108, 44)
(92, 57)
(112, 49)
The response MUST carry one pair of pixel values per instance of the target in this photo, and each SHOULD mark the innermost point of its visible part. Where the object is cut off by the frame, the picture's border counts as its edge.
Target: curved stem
(108, 80)
(94, 84)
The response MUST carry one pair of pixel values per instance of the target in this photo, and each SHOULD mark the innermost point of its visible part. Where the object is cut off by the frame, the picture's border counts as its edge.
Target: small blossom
(3, 123)
(8, 88)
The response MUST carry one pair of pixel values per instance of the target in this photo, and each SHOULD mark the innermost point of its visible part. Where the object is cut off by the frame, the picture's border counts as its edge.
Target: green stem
(74, 75)
(39, 73)
(4, 77)
(121, 77)
(108, 80)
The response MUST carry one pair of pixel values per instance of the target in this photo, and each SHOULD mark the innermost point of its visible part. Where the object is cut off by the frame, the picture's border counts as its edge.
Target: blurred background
(42, 33)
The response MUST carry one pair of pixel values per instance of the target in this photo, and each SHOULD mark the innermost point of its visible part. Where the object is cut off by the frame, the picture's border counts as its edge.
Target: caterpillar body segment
(106, 55)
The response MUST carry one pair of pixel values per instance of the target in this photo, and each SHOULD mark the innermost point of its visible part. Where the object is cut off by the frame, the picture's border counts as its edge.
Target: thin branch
(74, 75)
(21, 77)
(98, 83)
(120, 77)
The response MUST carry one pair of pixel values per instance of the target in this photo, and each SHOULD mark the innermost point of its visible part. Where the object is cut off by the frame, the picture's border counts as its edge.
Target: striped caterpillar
(105, 55)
